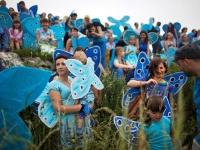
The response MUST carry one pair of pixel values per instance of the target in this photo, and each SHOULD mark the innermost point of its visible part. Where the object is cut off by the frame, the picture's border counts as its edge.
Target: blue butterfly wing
(83, 42)
(96, 20)
(167, 111)
(146, 27)
(28, 41)
(58, 30)
(79, 23)
(96, 82)
(124, 19)
(142, 69)
(74, 42)
(116, 31)
(127, 34)
(20, 86)
(80, 86)
(46, 112)
(14, 132)
(113, 20)
(5, 20)
(34, 9)
(98, 72)
(30, 25)
(94, 52)
(153, 37)
(23, 16)
(176, 81)
(177, 26)
(129, 96)
(127, 128)
(76, 67)
(170, 55)
(165, 28)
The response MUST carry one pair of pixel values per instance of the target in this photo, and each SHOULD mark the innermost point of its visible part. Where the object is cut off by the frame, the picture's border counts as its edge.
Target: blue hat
(61, 52)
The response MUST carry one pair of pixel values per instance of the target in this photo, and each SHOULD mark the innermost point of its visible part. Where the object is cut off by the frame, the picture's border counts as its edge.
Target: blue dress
(143, 47)
(67, 121)
(131, 58)
(158, 134)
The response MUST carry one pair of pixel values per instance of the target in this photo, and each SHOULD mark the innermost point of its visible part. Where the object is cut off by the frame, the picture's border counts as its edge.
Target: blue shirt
(158, 134)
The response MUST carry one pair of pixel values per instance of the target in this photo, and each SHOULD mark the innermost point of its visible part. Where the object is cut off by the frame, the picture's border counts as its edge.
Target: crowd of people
(121, 57)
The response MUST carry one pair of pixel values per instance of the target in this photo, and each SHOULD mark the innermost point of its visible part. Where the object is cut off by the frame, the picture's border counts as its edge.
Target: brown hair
(20, 27)
(154, 104)
(155, 62)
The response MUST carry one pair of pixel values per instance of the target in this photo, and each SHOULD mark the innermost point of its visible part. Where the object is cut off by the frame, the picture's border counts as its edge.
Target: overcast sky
(187, 12)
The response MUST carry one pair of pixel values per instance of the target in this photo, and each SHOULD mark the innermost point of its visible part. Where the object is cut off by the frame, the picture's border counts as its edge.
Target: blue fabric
(197, 100)
(102, 44)
(19, 87)
(158, 134)
(46, 110)
(131, 58)
(4, 39)
(143, 47)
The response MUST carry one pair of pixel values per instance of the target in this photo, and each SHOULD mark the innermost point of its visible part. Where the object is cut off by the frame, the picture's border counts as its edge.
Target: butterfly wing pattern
(19, 86)
(153, 37)
(141, 73)
(127, 128)
(84, 77)
(176, 81)
(142, 69)
(94, 52)
(167, 111)
(129, 96)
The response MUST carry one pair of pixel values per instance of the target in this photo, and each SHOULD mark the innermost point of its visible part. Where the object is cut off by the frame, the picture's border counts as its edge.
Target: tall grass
(105, 136)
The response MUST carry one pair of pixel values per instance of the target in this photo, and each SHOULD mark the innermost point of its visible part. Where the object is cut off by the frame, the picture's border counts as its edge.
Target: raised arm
(136, 83)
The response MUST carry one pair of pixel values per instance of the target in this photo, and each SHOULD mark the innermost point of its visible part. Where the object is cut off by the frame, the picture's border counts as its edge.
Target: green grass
(105, 135)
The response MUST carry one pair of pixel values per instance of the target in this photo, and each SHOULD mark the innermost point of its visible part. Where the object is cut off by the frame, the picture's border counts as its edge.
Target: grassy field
(105, 135)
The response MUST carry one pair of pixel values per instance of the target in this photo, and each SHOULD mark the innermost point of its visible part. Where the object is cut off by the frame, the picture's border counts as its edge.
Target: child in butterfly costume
(80, 55)
(157, 124)
(157, 128)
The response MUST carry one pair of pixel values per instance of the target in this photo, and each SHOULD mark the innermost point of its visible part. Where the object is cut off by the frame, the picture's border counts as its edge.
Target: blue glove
(85, 110)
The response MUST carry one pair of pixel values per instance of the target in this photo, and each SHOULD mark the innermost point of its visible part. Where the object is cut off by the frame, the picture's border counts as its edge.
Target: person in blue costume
(144, 43)
(3, 6)
(157, 128)
(154, 85)
(57, 106)
(131, 51)
(93, 94)
(188, 60)
(24, 10)
(44, 34)
(96, 36)
(121, 68)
